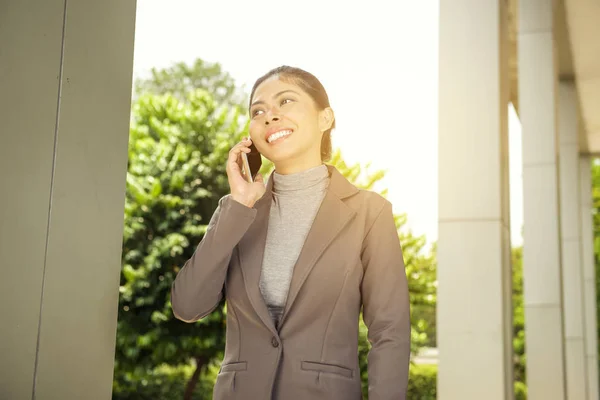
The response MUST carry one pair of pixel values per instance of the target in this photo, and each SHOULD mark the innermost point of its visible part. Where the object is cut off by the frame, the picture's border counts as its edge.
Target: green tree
(176, 175)
(180, 78)
(518, 321)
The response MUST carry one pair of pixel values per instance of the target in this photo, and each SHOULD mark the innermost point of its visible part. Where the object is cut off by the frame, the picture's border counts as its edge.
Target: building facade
(544, 57)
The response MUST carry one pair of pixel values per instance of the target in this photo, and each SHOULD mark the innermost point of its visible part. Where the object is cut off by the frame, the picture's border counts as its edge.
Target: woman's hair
(310, 85)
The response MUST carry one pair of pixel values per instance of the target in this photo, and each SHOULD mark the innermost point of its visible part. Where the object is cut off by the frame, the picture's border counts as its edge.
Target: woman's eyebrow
(276, 95)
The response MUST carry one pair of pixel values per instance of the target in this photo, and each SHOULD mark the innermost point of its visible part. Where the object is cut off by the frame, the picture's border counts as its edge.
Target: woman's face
(286, 125)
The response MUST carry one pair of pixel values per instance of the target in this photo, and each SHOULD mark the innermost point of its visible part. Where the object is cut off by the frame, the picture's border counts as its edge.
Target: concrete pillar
(589, 276)
(544, 337)
(65, 75)
(570, 221)
(474, 313)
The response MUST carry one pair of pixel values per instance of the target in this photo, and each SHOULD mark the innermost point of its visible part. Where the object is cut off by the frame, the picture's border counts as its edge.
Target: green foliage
(176, 175)
(422, 382)
(161, 383)
(180, 78)
(520, 390)
(518, 316)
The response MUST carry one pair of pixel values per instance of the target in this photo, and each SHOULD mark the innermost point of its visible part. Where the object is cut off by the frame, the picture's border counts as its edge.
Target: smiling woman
(288, 100)
(296, 260)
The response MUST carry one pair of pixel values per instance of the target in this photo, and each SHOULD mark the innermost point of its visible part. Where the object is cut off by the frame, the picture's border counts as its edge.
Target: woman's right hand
(243, 191)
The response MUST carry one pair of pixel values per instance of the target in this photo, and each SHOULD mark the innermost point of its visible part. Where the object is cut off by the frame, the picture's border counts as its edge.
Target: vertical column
(30, 44)
(589, 276)
(66, 86)
(544, 337)
(570, 220)
(474, 263)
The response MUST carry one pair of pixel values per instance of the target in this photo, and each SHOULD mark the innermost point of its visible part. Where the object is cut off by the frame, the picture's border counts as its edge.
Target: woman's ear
(326, 118)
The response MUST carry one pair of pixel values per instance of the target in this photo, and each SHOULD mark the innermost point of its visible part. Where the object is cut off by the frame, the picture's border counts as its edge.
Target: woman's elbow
(188, 310)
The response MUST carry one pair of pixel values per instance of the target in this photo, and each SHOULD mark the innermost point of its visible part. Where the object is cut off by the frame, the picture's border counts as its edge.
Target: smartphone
(251, 163)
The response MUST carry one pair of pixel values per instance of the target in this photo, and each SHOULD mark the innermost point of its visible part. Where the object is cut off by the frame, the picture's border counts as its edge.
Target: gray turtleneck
(296, 200)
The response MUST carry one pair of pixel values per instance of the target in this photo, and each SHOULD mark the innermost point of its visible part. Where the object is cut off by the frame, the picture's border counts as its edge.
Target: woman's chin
(278, 155)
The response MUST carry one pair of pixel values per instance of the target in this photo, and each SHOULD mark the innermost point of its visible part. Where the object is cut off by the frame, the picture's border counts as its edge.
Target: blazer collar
(339, 186)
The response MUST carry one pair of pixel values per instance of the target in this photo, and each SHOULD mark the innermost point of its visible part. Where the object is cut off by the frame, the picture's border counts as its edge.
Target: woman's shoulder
(369, 205)
(372, 197)
(363, 201)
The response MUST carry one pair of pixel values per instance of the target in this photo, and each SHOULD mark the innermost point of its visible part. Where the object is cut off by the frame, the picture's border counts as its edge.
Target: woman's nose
(272, 116)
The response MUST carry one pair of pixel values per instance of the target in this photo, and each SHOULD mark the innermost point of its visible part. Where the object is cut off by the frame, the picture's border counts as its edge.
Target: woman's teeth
(278, 135)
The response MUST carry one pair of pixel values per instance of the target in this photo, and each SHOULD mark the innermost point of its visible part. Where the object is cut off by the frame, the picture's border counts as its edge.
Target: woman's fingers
(233, 160)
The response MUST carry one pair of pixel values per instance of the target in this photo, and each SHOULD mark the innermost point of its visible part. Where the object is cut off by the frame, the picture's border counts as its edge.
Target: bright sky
(377, 60)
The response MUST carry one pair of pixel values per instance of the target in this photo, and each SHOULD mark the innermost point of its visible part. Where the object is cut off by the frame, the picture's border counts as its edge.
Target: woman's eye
(285, 101)
(256, 112)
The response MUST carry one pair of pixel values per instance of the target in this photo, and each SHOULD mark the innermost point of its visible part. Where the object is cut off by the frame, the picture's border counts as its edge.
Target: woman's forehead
(274, 85)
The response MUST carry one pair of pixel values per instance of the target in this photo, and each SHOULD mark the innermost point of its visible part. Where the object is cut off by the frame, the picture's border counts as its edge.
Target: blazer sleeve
(386, 309)
(198, 286)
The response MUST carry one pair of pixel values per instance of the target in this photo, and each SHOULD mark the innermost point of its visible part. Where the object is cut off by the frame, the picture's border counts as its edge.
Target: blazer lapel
(332, 217)
(251, 249)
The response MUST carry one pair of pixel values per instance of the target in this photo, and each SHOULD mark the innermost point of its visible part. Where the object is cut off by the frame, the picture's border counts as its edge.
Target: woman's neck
(292, 166)
(304, 182)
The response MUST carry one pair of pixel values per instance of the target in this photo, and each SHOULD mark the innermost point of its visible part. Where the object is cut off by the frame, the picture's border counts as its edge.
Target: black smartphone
(251, 163)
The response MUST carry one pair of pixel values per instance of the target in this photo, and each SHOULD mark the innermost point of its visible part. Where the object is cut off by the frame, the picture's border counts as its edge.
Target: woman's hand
(243, 191)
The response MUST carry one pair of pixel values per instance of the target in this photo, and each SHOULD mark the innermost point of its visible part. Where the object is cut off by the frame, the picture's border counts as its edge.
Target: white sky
(377, 60)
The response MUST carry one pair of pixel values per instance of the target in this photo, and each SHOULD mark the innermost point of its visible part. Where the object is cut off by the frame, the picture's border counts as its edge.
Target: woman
(296, 260)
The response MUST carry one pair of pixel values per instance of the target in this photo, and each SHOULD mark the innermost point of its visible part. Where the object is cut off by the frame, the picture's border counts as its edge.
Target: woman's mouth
(277, 136)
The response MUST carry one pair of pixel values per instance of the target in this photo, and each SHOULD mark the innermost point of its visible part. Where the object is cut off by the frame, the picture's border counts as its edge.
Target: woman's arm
(198, 287)
(386, 309)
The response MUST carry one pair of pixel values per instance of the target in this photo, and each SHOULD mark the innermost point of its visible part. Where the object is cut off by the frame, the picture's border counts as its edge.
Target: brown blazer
(351, 257)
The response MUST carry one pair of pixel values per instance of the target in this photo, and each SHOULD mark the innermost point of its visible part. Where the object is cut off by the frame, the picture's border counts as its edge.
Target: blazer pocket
(233, 367)
(327, 368)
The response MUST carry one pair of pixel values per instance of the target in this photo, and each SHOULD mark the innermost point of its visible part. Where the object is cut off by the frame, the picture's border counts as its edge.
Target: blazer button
(274, 342)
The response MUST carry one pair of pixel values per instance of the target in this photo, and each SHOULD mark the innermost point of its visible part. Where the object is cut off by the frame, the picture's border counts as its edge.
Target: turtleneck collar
(295, 184)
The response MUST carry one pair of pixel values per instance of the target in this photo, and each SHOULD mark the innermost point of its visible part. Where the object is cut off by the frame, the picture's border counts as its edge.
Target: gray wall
(65, 89)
